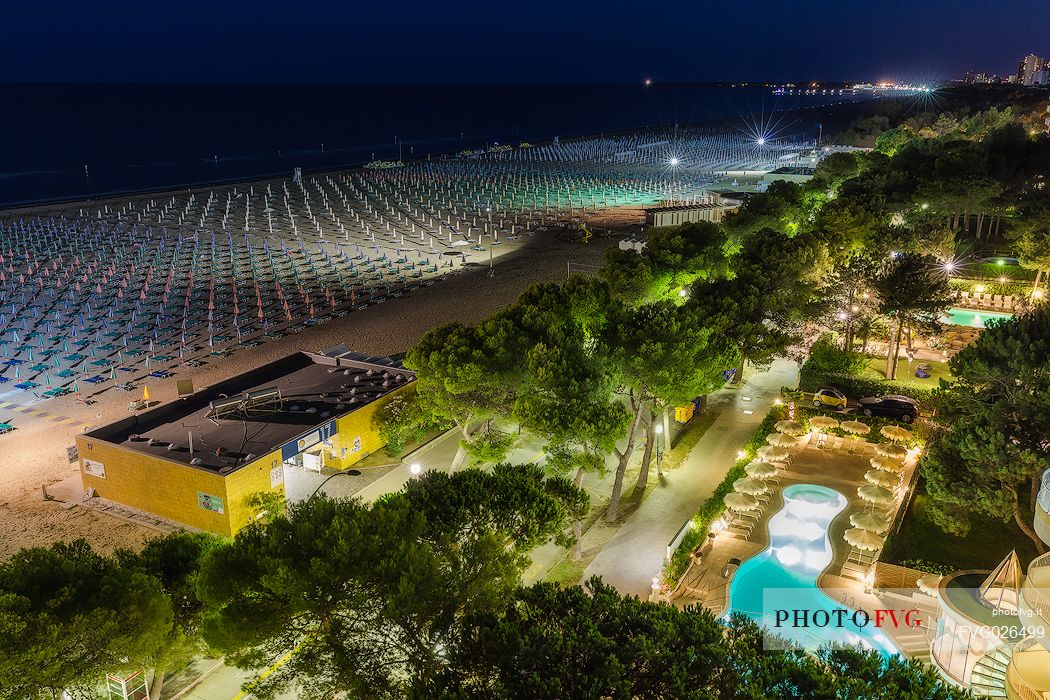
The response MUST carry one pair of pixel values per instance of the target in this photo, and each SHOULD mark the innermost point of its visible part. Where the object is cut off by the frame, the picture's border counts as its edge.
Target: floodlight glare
(761, 141)
(674, 162)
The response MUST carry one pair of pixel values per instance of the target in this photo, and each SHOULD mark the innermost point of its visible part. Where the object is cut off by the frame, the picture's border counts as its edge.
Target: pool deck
(833, 466)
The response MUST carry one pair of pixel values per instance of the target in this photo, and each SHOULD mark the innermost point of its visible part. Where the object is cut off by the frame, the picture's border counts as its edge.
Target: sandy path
(35, 454)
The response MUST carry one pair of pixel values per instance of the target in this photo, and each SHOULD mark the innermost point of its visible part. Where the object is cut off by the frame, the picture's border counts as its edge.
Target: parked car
(903, 407)
(830, 397)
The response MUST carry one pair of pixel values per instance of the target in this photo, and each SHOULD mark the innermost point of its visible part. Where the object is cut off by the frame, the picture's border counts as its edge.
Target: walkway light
(414, 469)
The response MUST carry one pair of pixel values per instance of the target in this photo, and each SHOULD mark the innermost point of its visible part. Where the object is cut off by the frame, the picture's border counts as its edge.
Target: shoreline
(828, 112)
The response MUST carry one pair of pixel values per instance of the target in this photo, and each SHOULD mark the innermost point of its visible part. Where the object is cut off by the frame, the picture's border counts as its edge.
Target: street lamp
(673, 162)
(659, 452)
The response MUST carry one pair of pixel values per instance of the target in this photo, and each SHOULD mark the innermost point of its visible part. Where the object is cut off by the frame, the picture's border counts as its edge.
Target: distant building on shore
(1033, 70)
(199, 461)
(711, 208)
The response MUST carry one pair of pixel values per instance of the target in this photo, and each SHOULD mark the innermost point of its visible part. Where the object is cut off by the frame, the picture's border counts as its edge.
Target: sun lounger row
(987, 301)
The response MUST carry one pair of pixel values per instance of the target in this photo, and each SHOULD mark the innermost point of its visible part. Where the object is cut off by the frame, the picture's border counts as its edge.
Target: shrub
(400, 421)
(825, 356)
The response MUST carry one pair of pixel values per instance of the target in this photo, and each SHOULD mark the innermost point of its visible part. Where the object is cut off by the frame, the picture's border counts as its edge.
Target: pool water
(973, 318)
(784, 575)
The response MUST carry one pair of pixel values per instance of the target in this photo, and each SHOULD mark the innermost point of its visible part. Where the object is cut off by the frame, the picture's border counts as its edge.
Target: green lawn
(905, 375)
(989, 541)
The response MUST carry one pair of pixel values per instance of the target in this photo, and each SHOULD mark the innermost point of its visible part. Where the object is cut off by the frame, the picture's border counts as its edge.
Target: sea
(70, 142)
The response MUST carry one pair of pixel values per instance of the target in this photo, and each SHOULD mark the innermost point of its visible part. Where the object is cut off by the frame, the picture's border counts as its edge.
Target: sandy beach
(36, 451)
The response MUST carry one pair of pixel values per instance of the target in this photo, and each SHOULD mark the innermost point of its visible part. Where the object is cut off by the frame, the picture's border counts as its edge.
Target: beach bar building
(198, 460)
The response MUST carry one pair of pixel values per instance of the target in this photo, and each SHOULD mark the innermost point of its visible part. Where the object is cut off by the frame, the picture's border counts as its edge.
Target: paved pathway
(636, 553)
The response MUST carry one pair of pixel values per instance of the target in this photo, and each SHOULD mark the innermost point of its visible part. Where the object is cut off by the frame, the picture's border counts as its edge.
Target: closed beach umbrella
(887, 449)
(862, 539)
(740, 502)
(879, 495)
(780, 440)
(760, 470)
(855, 427)
(789, 427)
(823, 422)
(866, 520)
(887, 464)
(772, 453)
(877, 477)
(895, 433)
(751, 486)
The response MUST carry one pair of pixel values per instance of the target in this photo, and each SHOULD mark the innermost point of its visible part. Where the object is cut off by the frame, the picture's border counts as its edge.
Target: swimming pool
(974, 318)
(784, 575)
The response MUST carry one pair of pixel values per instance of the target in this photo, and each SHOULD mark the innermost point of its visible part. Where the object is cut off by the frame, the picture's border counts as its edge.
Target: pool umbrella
(890, 450)
(823, 422)
(750, 486)
(930, 584)
(867, 520)
(760, 470)
(877, 477)
(862, 539)
(887, 464)
(855, 427)
(781, 440)
(771, 453)
(789, 427)
(877, 495)
(740, 502)
(895, 433)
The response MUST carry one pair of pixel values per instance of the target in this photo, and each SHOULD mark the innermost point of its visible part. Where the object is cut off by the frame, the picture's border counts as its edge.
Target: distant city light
(648, 81)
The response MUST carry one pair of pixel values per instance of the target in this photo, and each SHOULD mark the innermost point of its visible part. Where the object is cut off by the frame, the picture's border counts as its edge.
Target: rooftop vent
(196, 461)
(173, 446)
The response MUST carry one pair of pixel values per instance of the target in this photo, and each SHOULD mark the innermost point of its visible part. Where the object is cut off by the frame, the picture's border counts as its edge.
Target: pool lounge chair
(964, 297)
(1008, 302)
(997, 301)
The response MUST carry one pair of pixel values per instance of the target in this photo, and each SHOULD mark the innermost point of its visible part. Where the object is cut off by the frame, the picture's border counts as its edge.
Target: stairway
(988, 678)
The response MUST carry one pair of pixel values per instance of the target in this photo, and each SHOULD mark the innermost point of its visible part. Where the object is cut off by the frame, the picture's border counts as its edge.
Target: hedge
(858, 387)
(713, 507)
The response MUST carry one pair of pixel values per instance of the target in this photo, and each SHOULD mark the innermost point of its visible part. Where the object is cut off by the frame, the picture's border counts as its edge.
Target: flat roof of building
(720, 204)
(259, 411)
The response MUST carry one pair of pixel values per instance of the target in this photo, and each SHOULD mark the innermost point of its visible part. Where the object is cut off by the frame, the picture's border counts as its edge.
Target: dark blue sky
(541, 41)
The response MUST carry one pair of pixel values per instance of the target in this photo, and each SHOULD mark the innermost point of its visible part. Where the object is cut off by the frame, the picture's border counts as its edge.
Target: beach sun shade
(862, 539)
(781, 440)
(823, 422)
(890, 450)
(855, 427)
(772, 453)
(895, 433)
(750, 486)
(866, 520)
(878, 477)
(789, 427)
(887, 464)
(740, 502)
(760, 470)
(878, 495)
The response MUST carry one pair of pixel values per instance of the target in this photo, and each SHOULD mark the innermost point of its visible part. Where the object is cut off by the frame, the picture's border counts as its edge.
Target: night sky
(542, 41)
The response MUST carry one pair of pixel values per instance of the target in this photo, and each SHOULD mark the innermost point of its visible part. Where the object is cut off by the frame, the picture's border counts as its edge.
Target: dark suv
(902, 407)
